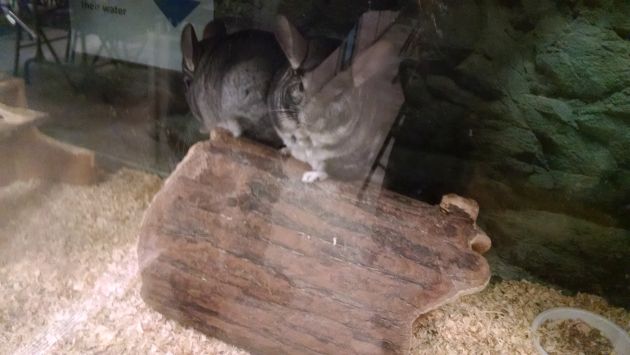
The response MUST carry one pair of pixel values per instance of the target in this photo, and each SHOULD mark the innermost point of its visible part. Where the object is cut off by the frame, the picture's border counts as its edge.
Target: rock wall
(524, 105)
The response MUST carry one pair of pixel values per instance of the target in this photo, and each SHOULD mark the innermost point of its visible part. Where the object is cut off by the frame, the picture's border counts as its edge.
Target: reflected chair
(30, 18)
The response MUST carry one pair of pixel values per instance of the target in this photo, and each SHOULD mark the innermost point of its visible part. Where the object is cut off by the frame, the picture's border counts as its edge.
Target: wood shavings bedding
(68, 272)
(573, 336)
(497, 320)
(69, 283)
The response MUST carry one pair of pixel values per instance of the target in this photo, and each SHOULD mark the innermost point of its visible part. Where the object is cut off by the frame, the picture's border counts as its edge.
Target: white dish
(618, 337)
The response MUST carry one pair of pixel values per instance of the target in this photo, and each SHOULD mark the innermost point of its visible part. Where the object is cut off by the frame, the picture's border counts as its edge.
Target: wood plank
(14, 119)
(12, 91)
(31, 154)
(14, 112)
(26, 153)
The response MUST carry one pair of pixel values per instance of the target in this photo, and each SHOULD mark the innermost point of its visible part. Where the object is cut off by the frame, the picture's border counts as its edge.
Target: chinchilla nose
(302, 138)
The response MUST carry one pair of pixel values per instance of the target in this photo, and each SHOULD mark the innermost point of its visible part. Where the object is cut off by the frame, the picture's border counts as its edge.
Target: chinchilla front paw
(313, 176)
(285, 152)
(233, 127)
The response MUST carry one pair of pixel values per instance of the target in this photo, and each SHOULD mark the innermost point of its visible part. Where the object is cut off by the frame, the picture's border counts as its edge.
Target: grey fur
(228, 79)
(338, 128)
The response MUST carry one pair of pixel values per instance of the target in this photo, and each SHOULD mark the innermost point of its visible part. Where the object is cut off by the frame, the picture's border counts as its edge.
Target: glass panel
(192, 176)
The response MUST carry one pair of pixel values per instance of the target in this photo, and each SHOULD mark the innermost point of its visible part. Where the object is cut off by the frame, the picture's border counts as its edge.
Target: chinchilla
(228, 76)
(336, 114)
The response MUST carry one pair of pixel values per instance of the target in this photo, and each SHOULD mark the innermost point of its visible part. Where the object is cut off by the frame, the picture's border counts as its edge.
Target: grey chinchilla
(228, 77)
(335, 115)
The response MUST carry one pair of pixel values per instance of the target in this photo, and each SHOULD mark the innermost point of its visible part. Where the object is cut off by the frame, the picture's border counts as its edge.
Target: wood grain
(237, 246)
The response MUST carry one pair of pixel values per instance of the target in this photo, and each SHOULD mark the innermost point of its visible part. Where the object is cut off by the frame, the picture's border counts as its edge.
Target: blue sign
(176, 10)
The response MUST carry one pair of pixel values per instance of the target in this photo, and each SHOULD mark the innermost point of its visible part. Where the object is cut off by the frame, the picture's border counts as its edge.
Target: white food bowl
(618, 337)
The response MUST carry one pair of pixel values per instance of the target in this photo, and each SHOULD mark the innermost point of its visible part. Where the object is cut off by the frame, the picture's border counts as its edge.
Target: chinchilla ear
(214, 30)
(291, 41)
(377, 59)
(190, 48)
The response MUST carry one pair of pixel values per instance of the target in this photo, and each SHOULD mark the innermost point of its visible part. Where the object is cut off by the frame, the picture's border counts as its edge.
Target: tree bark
(238, 247)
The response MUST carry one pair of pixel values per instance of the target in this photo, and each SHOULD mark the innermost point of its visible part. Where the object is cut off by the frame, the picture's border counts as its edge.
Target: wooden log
(238, 247)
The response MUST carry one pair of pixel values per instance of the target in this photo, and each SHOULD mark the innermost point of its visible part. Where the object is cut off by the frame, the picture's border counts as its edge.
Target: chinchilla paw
(285, 151)
(313, 176)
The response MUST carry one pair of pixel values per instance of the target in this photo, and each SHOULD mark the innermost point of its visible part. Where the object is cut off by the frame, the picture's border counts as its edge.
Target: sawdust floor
(69, 284)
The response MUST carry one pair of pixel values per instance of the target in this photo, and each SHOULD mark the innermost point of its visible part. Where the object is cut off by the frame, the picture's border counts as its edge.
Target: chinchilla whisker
(284, 111)
(326, 126)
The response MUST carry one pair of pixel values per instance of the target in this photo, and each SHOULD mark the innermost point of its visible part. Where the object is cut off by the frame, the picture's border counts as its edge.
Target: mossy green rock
(569, 251)
(565, 147)
(537, 112)
(584, 61)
